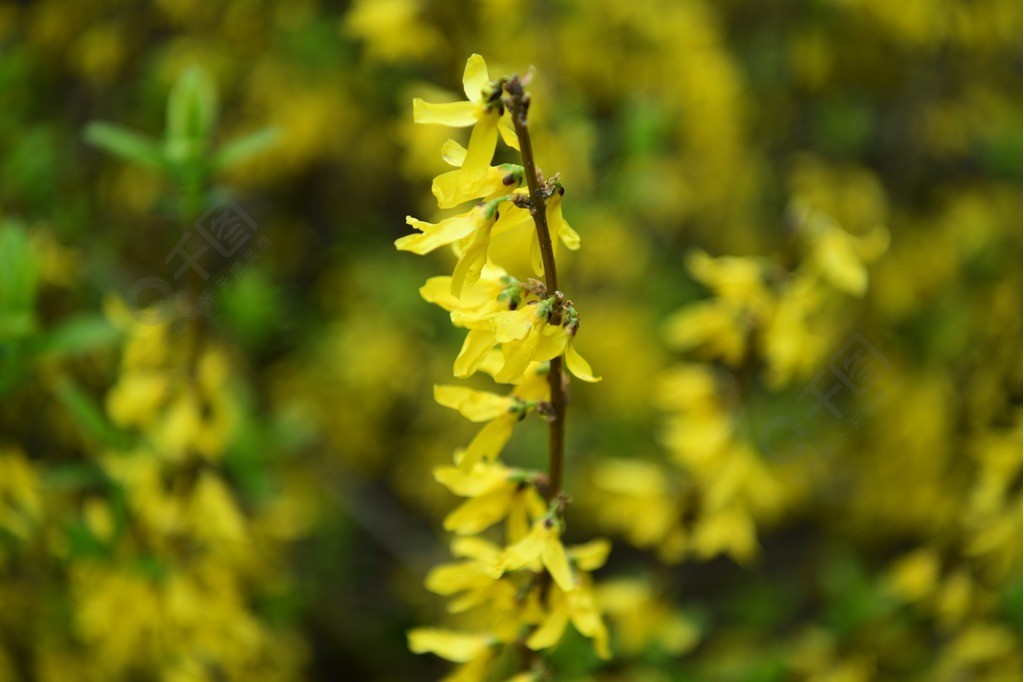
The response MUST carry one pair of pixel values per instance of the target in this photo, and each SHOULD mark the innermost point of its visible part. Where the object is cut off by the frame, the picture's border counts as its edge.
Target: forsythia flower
(497, 179)
(527, 591)
(482, 110)
(758, 314)
(501, 310)
(578, 605)
(495, 493)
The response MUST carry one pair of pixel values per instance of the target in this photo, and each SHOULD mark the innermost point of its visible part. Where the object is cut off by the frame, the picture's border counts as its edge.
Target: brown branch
(518, 103)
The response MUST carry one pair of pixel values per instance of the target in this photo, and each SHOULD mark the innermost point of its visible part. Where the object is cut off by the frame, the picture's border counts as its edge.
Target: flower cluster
(520, 589)
(762, 317)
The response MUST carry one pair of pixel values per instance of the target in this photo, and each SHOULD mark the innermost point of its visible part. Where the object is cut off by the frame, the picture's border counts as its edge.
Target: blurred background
(800, 279)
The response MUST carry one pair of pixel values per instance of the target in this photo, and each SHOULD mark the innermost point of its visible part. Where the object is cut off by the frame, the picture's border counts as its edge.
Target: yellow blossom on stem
(482, 110)
(521, 332)
(495, 493)
(449, 191)
(544, 546)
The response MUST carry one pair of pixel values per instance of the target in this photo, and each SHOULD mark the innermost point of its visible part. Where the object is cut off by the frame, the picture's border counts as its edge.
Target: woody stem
(519, 102)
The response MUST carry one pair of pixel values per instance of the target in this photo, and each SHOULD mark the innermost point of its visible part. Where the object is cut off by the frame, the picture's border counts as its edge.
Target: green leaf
(126, 144)
(79, 334)
(192, 107)
(82, 543)
(238, 150)
(90, 418)
(19, 279)
(73, 477)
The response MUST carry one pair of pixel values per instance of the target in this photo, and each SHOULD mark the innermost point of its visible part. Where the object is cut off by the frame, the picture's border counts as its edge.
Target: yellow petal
(587, 619)
(536, 257)
(533, 385)
(482, 479)
(551, 630)
(556, 561)
(474, 78)
(566, 234)
(592, 555)
(488, 442)
(477, 406)
(471, 262)
(473, 597)
(454, 114)
(448, 579)
(453, 153)
(479, 513)
(508, 131)
(518, 355)
(437, 235)
(512, 325)
(569, 236)
(518, 524)
(453, 646)
(445, 189)
(511, 217)
(479, 153)
(438, 290)
(705, 322)
(552, 344)
(838, 260)
(526, 551)
(450, 190)
(630, 477)
(474, 349)
(578, 366)
(136, 397)
(915, 576)
(476, 548)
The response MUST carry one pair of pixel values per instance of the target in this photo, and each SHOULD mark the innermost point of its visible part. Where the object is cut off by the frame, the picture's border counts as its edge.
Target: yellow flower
(527, 337)
(497, 180)
(730, 530)
(641, 616)
(472, 230)
(472, 311)
(392, 29)
(577, 605)
(542, 546)
(475, 576)
(136, 397)
(637, 499)
(738, 280)
(841, 258)
(500, 412)
(712, 326)
(476, 583)
(482, 110)
(495, 492)
(559, 341)
(915, 575)
(790, 346)
(448, 231)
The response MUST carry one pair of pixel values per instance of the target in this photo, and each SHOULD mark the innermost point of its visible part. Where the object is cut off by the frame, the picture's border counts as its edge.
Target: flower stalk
(518, 103)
